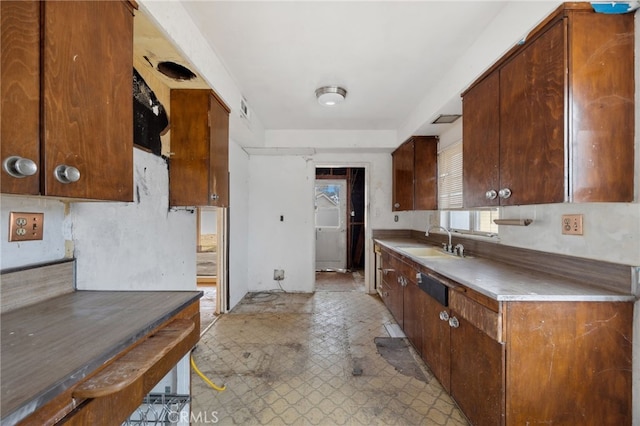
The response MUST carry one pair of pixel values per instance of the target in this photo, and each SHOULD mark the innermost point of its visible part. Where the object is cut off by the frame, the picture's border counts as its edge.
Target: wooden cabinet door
(569, 363)
(477, 373)
(436, 342)
(601, 109)
(219, 153)
(190, 147)
(20, 90)
(87, 94)
(199, 165)
(481, 143)
(392, 270)
(402, 159)
(532, 121)
(413, 314)
(389, 281)
(425, 173)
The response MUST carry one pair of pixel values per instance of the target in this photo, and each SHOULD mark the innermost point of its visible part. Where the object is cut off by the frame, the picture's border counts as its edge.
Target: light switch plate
(572, 224)
(25, 226)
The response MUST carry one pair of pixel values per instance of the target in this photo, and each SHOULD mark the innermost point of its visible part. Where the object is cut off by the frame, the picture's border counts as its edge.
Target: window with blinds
(450, 177)
(478, 222)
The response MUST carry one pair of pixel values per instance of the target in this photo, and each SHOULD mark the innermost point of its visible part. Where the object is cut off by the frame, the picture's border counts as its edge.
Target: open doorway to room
(210, 258)
(340, 228)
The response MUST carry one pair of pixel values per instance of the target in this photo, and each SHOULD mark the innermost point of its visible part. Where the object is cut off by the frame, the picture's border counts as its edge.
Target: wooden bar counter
(56, 347)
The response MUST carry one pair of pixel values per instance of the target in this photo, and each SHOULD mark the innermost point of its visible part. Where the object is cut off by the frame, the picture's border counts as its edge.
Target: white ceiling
(388, 55)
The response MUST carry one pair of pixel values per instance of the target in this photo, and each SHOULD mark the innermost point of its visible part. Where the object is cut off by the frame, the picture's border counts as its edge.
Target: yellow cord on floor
(205, 378)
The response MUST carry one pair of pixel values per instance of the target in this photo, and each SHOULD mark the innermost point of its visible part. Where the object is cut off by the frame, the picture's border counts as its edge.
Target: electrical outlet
(25, 226)
(278, 274)
(572, 224)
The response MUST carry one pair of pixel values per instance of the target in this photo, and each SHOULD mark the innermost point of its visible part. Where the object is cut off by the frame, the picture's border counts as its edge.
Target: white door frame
(222, 253)
(336, 236)
(369, 264)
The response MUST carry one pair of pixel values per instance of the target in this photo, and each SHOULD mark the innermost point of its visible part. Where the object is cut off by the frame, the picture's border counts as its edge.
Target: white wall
(238, 223)
(281, 186)
(136, 246)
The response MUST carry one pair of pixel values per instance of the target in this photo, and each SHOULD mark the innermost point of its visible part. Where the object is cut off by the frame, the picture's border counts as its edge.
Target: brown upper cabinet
(415, 180)
(553, 120)
(67, 111)
(199, 165)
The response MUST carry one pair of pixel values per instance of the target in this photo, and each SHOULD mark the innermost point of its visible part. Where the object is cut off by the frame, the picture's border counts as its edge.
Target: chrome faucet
(447, 248)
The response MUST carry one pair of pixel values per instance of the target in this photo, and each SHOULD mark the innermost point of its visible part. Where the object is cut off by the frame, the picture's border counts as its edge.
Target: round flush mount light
(330, 95)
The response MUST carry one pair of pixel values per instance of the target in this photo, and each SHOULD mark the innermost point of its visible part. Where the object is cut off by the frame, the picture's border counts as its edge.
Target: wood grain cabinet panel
(415, 166)
(402, 159)
(67, 100)
(436, 341)
(552, 121)
(569, 363)
(20, 89)
(517, 363)
(199, 165)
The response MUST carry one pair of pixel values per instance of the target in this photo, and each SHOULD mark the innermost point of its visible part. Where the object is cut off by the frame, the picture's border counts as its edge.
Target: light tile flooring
(295, 359)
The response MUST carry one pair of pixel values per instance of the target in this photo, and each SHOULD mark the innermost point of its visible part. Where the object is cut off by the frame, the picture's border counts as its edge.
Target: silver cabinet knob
(504, 193)
(214, 197)
(66, 174)
(491, 194)
(419, 277)
(453, 322)
(444, 316)
(19, 167)
(396, 205)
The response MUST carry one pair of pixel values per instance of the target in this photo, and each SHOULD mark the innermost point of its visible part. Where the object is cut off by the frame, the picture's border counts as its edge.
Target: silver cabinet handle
(214, 197)
(504, 193)
(19, 167)
(444, 316)
(453, 322)
(386, 271)
(491, 194)
(66, 174)
(418, 277)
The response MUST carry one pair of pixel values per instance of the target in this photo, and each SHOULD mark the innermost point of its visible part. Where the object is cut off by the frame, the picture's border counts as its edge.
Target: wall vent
(244, 109)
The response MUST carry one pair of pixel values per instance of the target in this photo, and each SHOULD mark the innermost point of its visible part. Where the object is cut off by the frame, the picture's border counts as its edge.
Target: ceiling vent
(446, 118)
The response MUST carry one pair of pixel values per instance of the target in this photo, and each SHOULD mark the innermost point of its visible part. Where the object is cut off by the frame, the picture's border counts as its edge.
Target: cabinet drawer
(483, 318)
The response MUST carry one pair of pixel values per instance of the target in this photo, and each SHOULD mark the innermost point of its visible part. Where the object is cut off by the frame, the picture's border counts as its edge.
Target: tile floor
(310, 359)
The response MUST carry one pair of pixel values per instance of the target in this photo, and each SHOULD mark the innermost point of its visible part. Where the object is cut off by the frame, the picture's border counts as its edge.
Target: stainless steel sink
(427, 252)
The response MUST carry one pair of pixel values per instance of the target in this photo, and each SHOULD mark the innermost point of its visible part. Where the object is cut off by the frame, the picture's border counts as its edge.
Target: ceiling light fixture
(446, 118)
(330, 95)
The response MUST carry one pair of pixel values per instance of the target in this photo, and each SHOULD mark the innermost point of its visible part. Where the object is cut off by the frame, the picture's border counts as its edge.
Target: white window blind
(450, 177)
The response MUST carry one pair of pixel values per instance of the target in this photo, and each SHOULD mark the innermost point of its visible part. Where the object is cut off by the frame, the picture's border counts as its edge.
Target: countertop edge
(57, 388)
(605, 295)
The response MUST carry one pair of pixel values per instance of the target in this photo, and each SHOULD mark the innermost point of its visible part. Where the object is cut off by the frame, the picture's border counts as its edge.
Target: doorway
(211, 262)
(340, 228)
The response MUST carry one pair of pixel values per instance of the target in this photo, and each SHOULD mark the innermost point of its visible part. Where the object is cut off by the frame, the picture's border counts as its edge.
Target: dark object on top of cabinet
(66, 98)
(149, 116)
(553, 120)
(415, 180)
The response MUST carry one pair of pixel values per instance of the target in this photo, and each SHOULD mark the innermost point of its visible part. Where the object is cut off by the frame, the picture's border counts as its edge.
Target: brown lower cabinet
(519, 362)
(392, 294)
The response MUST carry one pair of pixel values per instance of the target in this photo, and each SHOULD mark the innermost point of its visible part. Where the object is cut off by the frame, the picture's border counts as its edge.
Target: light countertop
(505, 282)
